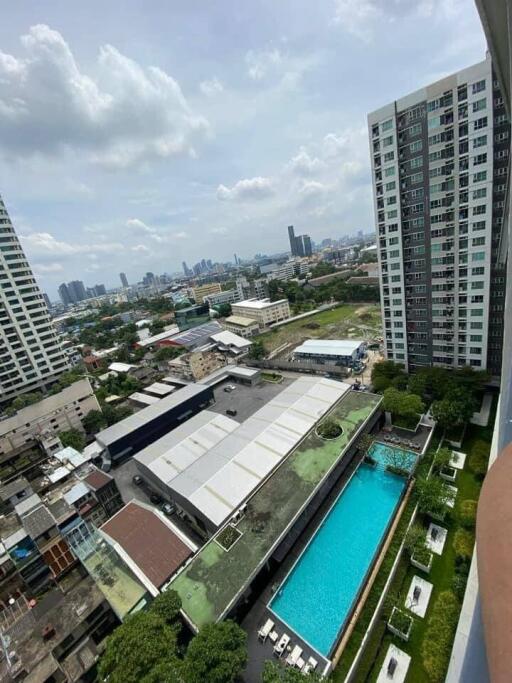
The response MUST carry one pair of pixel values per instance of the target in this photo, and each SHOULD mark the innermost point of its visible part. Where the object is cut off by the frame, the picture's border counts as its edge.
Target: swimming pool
(385, 454)
(317, 595)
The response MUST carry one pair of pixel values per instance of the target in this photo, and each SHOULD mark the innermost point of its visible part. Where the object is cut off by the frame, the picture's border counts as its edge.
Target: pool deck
(421, 437)
(260, 652)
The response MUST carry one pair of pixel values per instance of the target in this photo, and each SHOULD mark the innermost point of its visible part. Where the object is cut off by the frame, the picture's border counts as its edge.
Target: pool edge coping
(390, 529)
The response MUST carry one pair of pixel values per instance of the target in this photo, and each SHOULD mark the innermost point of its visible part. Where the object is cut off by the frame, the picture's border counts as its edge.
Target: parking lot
(246, 400)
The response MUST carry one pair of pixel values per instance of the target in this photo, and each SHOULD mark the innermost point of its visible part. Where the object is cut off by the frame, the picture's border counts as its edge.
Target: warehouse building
(346, 352)
(129, 436)
(210, 465)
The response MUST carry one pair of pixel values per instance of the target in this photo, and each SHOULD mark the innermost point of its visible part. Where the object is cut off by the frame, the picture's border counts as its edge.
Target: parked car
(231, 411)
(137, 480)
(155, 499)
(168, 509)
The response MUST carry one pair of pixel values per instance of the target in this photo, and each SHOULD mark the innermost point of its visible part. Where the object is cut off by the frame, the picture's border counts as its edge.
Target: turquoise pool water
(318, 593)
(386, 454)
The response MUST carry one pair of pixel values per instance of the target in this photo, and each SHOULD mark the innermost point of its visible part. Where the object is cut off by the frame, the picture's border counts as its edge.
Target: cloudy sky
(136, 134)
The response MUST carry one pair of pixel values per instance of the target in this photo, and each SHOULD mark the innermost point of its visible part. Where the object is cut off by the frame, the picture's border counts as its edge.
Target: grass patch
(448, 574)
(274, 377)
(228, 536)
(332, 324)
(406, 422)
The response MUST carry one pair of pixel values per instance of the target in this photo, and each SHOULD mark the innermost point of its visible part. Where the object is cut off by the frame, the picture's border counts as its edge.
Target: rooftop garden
(211, 582)
(431, 637)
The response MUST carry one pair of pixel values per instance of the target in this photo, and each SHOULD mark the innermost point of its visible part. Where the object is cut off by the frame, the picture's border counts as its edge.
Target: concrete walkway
(481, 418)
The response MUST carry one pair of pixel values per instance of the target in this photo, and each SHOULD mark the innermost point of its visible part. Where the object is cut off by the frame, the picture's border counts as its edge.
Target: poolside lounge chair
(310, 666)
(392, 664)
(300, 663)
(281, 645)
(294, 656)
(416, 593)
(265, 630)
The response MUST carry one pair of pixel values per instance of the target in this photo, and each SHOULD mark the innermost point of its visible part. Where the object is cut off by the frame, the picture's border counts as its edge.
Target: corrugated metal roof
(216, 471)
(146, 415)
(329, 347)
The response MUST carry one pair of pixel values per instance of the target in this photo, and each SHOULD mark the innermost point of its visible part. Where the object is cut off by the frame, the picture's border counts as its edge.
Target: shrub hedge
(437, 642)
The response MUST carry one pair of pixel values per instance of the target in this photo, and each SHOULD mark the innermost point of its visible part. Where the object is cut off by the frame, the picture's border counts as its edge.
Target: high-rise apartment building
(124, 279)
(300, 245)
(30, 351)
(440, 163)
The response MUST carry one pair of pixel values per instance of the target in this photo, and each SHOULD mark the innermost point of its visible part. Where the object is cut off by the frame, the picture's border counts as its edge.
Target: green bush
(437, 641)
(329, 429)
(467, 513)
(463, 543)
(478, 458)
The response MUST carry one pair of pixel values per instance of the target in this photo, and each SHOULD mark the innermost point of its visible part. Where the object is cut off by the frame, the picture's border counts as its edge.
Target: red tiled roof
(150, 543)
(97, 479)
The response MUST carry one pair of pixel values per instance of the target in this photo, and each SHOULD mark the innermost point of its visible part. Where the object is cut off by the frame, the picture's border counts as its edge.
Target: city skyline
(92, 194)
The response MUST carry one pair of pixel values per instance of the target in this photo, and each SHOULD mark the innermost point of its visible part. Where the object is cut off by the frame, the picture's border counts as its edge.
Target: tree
(156, 326)
(365, 442)
(73, 438)
(442, 458)
(415, 539)
(402, 403)
(224, 310)
(456, 408)
(384, 373)
(167, 605)
(329, 429)
(144, 641)
(257, 350)
(432, 494)
(168, 353)
(276, 673)
(217, 654)
(113, 415)
(94, 421)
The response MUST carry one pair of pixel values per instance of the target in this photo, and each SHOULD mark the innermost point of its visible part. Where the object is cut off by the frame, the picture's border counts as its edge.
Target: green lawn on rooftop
(212, 580)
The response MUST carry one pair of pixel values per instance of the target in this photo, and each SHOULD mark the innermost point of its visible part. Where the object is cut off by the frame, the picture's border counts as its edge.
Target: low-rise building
(196, 365)
(243, 327)
(151, 545)
(60, 638)
(129, 436)
(229, 342)
(264, 311)
(228, 296)
(345, 352)
(200, 292)
(55, 413)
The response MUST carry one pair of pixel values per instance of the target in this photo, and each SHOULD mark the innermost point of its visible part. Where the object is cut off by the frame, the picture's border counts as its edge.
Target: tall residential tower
(30, 352)
(440, 160)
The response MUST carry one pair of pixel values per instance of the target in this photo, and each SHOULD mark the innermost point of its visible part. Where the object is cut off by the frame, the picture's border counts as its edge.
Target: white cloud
(261, 62)
(139, 227)
(304, 165)
(248, 189)
(182, 235)
(140, 248)
(45, 243)
(219, 231)
(362, 18)
(122, 115)
(48, 268)
(211, 87)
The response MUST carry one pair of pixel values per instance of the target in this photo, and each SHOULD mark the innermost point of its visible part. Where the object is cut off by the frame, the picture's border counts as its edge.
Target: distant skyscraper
(46, 299)
(99, 290)
(77, 291)
(306, 245)
(300, 245)
(236, 260)
(293, 240)
(124, 279)
(440, 165)
(64, 294)
(186, 269)
(31, 354)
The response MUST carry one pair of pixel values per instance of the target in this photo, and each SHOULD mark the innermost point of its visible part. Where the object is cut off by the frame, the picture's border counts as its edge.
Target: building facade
(53, 414)
(200, 292)
(440, 159)
(264, 311)
(31, 354)
(124, 279)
